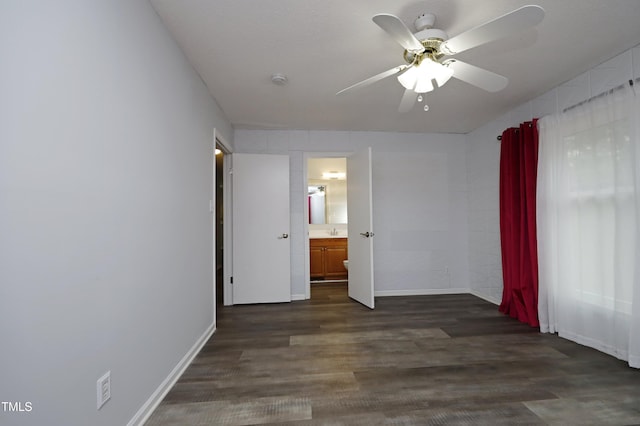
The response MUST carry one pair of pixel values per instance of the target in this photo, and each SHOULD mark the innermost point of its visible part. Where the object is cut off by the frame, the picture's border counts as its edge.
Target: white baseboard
(421, 292)
(485, 297)
(157, 396)
(298, 297)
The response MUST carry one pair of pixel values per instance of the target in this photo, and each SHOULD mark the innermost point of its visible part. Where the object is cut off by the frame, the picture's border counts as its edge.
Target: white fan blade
(375, 78)
(479, 77)
(408, 100)
(399, 31)
(500, 27)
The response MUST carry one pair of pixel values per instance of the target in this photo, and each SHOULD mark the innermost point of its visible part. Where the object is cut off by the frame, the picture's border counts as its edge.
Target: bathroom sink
(325, 234)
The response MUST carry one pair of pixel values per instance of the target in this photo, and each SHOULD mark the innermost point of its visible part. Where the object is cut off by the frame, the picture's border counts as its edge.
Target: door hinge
(231, 280)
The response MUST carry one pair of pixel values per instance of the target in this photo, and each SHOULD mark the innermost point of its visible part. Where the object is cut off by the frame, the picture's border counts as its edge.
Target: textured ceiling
(324, 46)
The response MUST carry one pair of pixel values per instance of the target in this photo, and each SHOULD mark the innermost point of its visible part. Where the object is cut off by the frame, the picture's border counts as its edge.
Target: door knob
(367, 234)
(284, 236)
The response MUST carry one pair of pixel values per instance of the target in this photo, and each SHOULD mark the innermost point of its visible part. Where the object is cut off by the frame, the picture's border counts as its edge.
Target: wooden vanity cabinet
(326, 256)
(316, 255)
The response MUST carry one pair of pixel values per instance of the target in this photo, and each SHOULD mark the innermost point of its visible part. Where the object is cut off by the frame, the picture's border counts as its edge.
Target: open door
(360, 225)
(261, 249)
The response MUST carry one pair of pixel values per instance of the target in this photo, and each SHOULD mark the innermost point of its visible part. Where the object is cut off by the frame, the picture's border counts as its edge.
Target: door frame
(305, 221)
(227, 228)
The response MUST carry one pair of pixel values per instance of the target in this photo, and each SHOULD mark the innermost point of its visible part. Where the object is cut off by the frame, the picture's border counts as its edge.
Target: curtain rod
(608, 92)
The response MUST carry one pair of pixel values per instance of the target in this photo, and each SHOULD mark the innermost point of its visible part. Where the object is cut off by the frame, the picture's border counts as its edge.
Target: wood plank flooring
(427, 360)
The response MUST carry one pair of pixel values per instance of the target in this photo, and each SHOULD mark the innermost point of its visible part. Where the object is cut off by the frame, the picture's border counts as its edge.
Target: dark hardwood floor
(427, 360)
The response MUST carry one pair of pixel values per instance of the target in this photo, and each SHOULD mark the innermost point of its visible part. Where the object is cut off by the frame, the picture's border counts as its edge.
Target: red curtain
(518, 171)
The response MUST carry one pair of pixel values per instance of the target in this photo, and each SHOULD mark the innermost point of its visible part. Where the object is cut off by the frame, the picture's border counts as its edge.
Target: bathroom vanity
(326, 258)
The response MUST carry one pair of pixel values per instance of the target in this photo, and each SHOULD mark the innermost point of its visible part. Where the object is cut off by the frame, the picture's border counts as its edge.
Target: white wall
(105, 231)
(420, 204)
(483, 159)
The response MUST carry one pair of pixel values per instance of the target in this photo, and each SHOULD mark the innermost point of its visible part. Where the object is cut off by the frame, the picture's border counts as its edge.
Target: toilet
(346, 264)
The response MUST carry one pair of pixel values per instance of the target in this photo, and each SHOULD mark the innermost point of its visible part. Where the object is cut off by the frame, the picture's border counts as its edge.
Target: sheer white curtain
(588, 205)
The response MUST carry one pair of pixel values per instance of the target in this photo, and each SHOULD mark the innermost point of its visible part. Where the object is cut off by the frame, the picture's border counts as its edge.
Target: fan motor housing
(430, 33)
(431, 39)
(426, 20)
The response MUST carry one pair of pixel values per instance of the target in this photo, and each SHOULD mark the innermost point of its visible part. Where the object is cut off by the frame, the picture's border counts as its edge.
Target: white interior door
(360, 227)
(261, 249)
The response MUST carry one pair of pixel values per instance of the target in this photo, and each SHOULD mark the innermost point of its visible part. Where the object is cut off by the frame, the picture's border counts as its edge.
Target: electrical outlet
(103, 388)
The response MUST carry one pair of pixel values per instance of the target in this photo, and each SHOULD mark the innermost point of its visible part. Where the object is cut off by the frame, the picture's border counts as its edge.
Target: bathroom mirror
(317, 205)
(327, 195)
(327, 202)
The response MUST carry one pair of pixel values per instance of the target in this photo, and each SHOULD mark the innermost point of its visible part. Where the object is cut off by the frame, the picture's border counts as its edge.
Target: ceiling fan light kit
(420, 77)
(426, 49)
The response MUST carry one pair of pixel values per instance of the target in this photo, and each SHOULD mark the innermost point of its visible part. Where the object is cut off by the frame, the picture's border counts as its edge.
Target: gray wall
(105, 232)
(483, 160)
(419, 199)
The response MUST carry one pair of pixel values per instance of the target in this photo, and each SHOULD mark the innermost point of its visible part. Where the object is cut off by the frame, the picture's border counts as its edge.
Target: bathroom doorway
(326, 219)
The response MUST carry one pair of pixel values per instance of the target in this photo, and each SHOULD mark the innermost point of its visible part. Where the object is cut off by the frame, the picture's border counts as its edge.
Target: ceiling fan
(426, 53)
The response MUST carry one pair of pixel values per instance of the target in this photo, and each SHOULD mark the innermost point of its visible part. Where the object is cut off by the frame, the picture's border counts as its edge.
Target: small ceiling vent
(279, 79)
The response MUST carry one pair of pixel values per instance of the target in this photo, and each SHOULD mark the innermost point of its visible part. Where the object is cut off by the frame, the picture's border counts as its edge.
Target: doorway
(326, 219)
(221, 204)
(219, 222)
